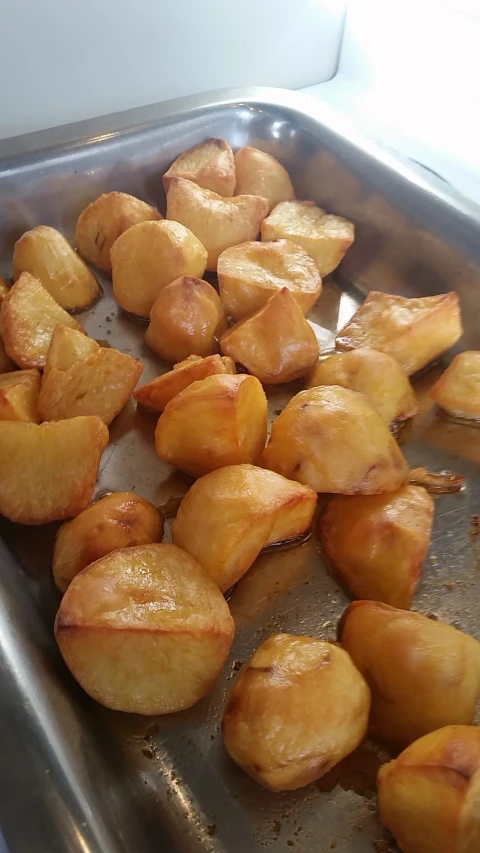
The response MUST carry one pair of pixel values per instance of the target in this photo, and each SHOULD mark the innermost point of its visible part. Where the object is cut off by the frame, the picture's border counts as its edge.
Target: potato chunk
(324, 236)
(144, 630)
(413, 331)
(104, 220)
(19, 395)
(276, 344)
(28, 317)
(221, 420)
(210, 165)
(119, 520)
(261, 174)
(458, 389)
(4, 288)
(186, 318)
(49, 470)
(378, 543)
(149, 256)
(429, 797)
(6, 363)
(157, 393)
(229, 515)
(297, 708)
(423, 674)
(334, 440)
(217, 222)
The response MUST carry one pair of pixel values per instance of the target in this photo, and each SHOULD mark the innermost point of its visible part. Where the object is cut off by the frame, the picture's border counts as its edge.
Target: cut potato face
(375, 374)
(49, 470)
(210, 165)
(119, 520)
(4, 288)
(156, 394)
(423, 674)
(217, 222)
(261, 174)
(144, 630)
(413, 331)
(378, 543)
(186, 319)
(149, 256)
(228, 516)
(229, 416)
(104, 220)
(28, 317)
(334, 440)
(19, 395)
(325, 237)
(458, 389)
(297, 708)
(276, 344)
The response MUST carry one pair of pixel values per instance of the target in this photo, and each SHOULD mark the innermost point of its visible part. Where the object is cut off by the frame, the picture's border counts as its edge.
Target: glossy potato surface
(458, 389)
(258, 173)
(156, 394)
(19, 395)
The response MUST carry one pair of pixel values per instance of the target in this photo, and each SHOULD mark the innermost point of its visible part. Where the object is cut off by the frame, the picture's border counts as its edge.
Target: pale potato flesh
(261, 174)
(210, 165)
(156, 394)
(458, 389)
(144, 630)
(297, 708)
(229, 515)
(19, 395)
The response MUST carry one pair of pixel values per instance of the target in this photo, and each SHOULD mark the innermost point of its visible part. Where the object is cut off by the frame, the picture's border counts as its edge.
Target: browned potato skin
(218, 421)
(186, 318)
(4, 288)
(276, 344)
(210, 165)
(229, 515)
(19, 396)
(144, 630)
(423, 674)
(378, 543)
(334, 440)
(458, 389)
(261, 174)
(102, 222)
(119, 520)
(272, 724)
(429, 797)
(156, 394)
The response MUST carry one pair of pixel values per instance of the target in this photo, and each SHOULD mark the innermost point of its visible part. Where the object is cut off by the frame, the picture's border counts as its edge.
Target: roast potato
(186, 318)
(220, 420)
(378, 543)
(229, 515)
(49, 470)
(118, 520)
(156, 394)
(413, 331)
(458, 389)
(375, 374)
(149, 256)
(276, 344)
(6, 363)
(261, 174)
(423, 674)
(210, 165)
(324, 236)
(297, 708)
(4, 288)
(19, 395)
(334, 440)
(144, 630)
(217, 222)
(429, 797)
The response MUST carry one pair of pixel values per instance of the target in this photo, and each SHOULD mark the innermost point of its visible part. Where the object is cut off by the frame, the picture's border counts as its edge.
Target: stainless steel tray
(76, 777)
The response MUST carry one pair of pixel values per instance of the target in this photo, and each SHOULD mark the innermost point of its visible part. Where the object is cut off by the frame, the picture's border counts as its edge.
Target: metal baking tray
(76, 777)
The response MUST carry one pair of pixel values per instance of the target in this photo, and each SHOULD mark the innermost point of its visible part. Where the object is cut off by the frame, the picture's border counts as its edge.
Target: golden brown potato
(276, 344)
(45, 253)
(413, 331)
(98, 382)
(144, 630)
(221, 420)
(6, 363)
(4, 288)
(157, 393)
(375, 374)
(429, 797)
(149, 256)
(119, 520)
(334, 440)
(423, 674)
(186, 318)
(228, 516)
(49, 470)
(378, 543)
(217, 222)
(104, 220)
(28, 317)
(324, 236)
(210, 165)
(259, 173)
(19, 395)
(297, 708)
(458, 389)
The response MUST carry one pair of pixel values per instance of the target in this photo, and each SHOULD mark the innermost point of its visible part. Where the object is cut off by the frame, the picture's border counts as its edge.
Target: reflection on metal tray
(76, 777)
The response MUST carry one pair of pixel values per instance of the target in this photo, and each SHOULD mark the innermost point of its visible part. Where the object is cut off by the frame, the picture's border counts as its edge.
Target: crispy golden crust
(19, 395)
(458, 389)
(210, 165)
(157, 393)
(261, 174)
